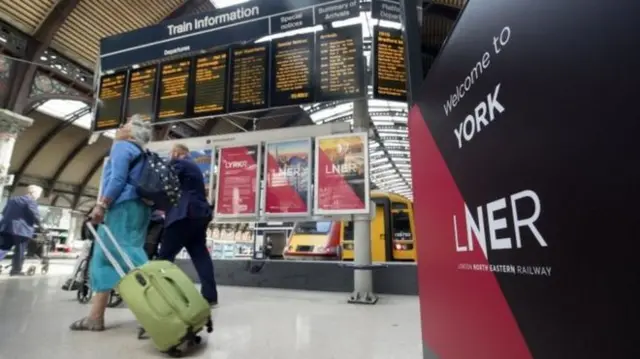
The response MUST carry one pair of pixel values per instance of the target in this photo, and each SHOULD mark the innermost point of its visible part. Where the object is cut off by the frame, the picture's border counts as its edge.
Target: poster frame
(237, 217)
(309, 147)
(364, 137)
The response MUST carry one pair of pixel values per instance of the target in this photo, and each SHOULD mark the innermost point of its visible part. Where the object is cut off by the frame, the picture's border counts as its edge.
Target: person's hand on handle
(97, 215)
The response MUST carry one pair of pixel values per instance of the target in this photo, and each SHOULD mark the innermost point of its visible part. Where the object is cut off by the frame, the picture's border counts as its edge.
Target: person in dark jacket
(186, 224)
(17, 226)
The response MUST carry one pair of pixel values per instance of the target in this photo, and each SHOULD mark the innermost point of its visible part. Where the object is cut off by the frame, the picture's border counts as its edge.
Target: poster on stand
(342, 174)
(288, 178)
(237, 182)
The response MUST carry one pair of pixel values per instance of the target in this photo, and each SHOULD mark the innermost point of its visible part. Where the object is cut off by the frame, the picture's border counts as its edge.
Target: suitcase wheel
(174, 353)
(31, 271)
(84, 293)
(114, 299)
(197, 340)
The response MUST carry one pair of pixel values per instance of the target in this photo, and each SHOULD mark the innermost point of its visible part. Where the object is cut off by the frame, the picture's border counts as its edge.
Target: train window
(399, 205)
(348, 231)
(401, 226)
(313, 227)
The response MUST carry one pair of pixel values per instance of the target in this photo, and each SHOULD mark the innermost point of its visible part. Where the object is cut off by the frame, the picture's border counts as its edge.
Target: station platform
(249, 323)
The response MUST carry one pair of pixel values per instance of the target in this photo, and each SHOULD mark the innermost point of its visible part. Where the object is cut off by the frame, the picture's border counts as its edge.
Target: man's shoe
(213, 303)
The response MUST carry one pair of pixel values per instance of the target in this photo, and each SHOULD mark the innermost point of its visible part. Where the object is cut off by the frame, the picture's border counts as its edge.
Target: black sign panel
(525, 172)
(111, 96)
(340, 64)
(174, 90)
(141, 92)
(387, 10)
(337, 11)
(292, 20)
(292, 70)
(249, 77)
(210, 84)
(389, 72)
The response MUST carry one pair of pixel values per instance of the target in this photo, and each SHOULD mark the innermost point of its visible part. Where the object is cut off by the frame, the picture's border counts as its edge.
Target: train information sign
(142, 88)
(249, 77)
(174, 90)
(292, 70)
(111, 95)
(389, 72)
(340, 64)
(210, 88)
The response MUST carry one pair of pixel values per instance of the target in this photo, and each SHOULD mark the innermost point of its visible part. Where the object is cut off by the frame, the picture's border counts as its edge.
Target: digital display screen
(389, 72)
(249, 77)
(174, 89)
(210, 89)
(292, 70)
(340, 64)
(109, 109)
(142, 88)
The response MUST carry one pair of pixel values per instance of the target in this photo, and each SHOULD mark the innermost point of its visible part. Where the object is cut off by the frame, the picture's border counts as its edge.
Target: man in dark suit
(186, 224)
(17, 226)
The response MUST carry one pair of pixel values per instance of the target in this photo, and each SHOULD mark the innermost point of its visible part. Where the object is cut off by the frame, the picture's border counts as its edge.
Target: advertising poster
(527, 216)
(237, 182)
(342, 174)
(288, 175)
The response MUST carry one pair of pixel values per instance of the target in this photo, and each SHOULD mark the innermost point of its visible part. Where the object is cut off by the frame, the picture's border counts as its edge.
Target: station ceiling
(54, 44)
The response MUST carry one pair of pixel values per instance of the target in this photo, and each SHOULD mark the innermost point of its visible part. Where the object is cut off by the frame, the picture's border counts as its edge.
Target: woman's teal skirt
(128, 221)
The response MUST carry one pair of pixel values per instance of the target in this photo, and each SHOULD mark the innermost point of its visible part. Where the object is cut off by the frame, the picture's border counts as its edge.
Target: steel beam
(85, 181)
(35, 101)
(446, 11)
(65, 163)
(45, 140)
(24, 73)
(186, 8)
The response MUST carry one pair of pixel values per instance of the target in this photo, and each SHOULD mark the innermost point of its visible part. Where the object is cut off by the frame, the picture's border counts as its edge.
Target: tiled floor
(249, 323)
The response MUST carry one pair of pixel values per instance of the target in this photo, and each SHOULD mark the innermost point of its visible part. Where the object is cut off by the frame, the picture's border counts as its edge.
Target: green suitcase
(163, 299)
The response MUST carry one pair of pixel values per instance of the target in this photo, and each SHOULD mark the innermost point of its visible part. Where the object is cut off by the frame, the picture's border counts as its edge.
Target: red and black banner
(238, 181)
(288, 176)
(342, 174)
(526, 173)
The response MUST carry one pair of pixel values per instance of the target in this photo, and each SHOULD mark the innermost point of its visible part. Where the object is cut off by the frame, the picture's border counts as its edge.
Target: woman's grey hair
(140, 130)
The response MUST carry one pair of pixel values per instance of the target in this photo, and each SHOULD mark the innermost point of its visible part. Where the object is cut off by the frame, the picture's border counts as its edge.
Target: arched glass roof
(62, 109)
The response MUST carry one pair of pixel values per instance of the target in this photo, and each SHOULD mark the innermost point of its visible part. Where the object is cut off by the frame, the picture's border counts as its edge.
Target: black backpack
(158, 183)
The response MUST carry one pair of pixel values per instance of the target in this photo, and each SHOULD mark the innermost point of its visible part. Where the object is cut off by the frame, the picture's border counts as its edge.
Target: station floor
(249, 323)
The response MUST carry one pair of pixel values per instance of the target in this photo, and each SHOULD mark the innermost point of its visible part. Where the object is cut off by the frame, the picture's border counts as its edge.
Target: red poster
(237, 181)
(342, 174)
(288, 177)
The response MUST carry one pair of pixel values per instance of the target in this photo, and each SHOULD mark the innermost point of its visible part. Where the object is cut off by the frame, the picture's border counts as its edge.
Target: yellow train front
(392, 234)
(392, 230)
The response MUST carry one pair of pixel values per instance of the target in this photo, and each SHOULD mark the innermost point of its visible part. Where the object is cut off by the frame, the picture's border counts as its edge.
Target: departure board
(389, 72)
(210, 88)
(292, 70)
(142, 88)
(109, 109)
(249, 77)
(174, 90)
(340, 64)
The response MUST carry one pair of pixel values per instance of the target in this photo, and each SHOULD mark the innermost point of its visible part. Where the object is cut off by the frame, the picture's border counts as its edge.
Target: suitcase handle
(108, 254)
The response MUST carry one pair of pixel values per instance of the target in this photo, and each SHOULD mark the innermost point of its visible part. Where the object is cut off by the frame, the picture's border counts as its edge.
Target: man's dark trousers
(20, 247)
(191, 233)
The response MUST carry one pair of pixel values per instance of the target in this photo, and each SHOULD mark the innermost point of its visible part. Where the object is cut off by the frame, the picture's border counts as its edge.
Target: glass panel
(322, 227)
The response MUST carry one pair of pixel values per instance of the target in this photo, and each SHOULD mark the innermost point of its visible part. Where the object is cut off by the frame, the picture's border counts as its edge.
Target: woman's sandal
(87, 324)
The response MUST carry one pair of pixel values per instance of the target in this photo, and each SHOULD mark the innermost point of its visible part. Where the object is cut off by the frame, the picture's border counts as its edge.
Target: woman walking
(121, 209)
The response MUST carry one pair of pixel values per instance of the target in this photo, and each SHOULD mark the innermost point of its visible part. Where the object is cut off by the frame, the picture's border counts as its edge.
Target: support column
(11, 124)
(362, 274)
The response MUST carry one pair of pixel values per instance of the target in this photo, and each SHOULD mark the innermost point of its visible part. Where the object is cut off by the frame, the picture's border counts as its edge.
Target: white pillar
(11, 124)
